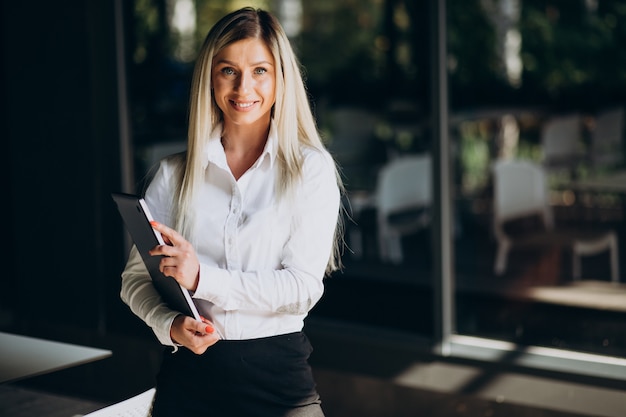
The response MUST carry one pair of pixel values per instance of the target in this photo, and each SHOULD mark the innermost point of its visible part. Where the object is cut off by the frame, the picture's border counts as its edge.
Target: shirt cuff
(213, 285)
(162, 331)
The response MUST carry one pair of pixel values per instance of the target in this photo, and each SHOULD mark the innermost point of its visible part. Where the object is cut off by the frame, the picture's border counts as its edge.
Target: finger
(208, 324)
(202, 328)
(168, 271)
(166, 239)
(170, 235)
(167, 251)
(165, 231)
(163, 250)
(203, 343)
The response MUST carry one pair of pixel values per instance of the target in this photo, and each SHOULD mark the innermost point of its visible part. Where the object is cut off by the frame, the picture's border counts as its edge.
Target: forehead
(246, 51)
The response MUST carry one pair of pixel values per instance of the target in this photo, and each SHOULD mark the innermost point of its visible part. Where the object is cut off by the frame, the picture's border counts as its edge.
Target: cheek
(217, 87)
(222, 82)
(218, 90)
(268, 87)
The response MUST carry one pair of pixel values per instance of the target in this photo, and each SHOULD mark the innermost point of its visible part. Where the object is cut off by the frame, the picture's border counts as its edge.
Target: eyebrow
(225, 61)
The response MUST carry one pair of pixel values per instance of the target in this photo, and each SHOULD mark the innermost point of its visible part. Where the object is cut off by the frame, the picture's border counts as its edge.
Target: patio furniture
(520, 192)
(403, 200)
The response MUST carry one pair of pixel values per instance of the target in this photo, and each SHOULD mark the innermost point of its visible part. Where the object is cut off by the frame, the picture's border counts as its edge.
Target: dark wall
(60, 134)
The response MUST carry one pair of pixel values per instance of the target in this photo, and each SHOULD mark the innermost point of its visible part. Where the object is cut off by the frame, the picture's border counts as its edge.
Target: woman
(251, 217)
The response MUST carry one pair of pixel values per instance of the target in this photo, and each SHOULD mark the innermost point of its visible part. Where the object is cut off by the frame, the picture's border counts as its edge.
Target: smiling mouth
(243, 105)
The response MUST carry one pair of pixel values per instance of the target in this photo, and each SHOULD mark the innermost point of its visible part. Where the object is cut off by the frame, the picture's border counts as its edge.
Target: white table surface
(23, 356)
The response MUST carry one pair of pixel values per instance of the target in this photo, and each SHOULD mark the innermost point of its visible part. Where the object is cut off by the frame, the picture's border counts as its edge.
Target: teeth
(244, 105)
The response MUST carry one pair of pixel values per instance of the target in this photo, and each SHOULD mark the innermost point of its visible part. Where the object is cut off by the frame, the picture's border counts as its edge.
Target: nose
(245, 81)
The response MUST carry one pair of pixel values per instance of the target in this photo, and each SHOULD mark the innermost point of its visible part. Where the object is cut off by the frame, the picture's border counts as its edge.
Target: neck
(243, 145)
(242, 139)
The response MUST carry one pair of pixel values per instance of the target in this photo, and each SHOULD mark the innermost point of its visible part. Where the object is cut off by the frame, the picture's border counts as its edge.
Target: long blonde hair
(292, 114)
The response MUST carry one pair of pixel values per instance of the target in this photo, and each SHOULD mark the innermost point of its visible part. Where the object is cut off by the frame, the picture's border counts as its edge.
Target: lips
(243, 105)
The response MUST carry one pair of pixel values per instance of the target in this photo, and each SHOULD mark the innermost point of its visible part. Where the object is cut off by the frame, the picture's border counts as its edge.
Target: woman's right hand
(197, 336)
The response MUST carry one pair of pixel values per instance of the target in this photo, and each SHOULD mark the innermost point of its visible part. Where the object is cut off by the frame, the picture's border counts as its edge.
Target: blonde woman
(251, 217)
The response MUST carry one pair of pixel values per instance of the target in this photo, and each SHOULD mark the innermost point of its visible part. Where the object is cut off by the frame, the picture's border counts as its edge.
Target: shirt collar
(214, 150)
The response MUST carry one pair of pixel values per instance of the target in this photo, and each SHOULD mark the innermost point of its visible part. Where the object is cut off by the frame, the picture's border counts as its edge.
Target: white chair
(562, 146)
(607, 138)
(138, 406)
(520, 192)
(403, 199)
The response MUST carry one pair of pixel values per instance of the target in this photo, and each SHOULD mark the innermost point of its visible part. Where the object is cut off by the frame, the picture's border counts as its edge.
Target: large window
(519, 74)
(540, 144)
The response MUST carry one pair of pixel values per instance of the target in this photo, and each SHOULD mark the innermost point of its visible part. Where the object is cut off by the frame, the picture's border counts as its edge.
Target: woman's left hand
(197, 336)
(179, 257)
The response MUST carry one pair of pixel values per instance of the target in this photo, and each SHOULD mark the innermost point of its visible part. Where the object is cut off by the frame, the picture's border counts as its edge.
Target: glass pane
(537, 118)
(366, 67)
(516, 67)
(370, 92)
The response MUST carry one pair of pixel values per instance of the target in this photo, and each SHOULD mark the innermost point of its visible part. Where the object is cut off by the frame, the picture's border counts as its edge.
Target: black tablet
(137, 217)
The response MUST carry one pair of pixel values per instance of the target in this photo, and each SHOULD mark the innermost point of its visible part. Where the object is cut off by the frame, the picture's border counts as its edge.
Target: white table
(23, 357)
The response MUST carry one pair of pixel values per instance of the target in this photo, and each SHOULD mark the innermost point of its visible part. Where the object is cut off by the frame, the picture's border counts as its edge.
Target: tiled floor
(343, 394)
(347, 395)
(354, 380)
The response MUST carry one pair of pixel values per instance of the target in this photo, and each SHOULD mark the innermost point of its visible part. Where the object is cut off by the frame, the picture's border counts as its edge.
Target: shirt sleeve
(137, 290)
(144, 300)
(298, 286)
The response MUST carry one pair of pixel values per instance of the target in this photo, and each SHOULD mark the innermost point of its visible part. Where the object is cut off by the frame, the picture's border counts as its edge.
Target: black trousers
(267, 377)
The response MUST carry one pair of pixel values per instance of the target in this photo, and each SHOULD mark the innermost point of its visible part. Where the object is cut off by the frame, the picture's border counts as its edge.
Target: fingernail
(202, 318)
(208, 329)
(153, 223)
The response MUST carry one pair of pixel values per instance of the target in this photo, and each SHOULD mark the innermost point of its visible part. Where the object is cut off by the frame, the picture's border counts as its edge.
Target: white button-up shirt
(262, 259)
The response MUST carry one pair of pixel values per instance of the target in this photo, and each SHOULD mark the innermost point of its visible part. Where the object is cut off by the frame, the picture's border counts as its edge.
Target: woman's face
(244, 82)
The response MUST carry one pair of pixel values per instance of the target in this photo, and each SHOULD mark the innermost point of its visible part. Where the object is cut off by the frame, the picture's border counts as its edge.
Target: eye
(260, 71)
(227, 71)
